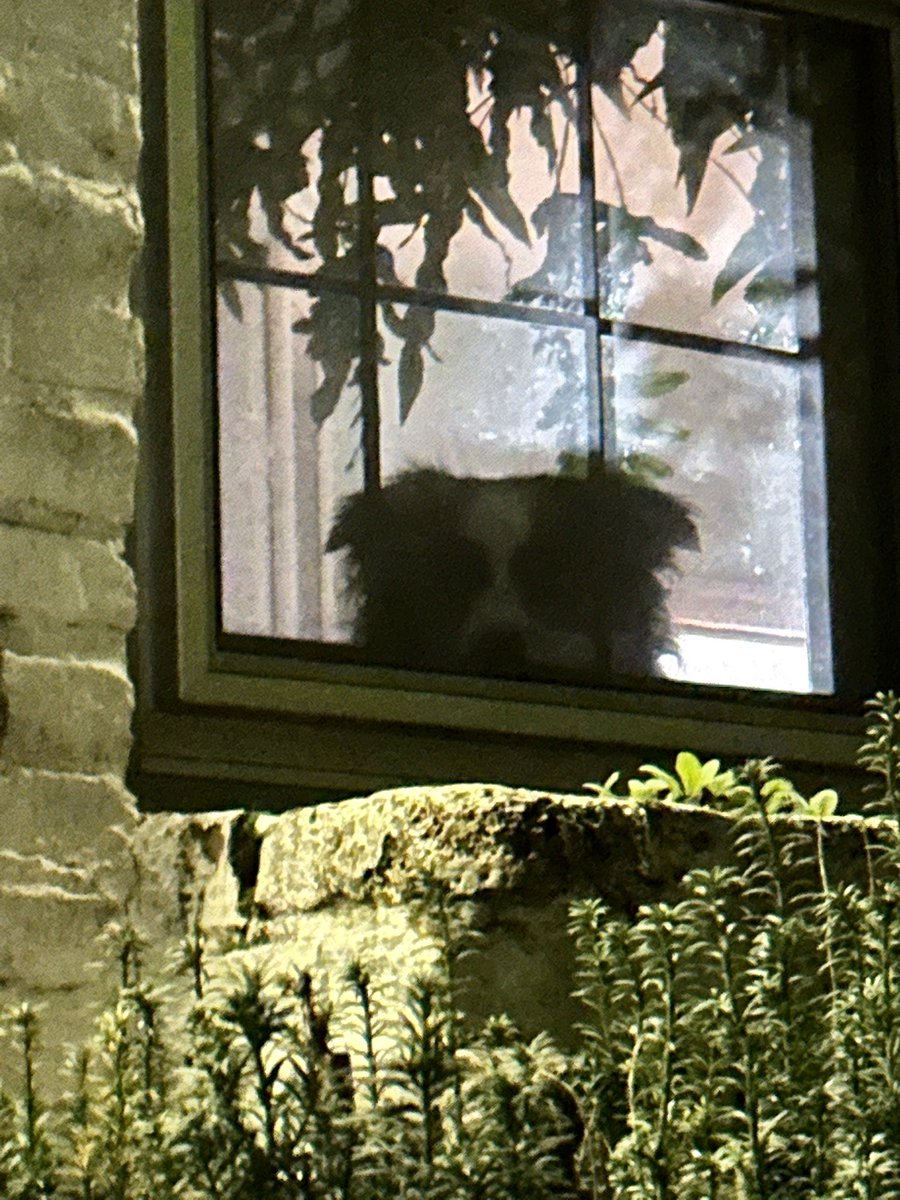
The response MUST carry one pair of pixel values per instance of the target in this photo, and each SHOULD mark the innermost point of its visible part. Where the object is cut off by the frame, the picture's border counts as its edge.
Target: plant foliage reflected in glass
(497, 240)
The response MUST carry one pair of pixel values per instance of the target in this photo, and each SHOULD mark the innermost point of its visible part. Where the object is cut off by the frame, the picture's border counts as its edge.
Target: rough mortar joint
(106, 198)
(94, 414)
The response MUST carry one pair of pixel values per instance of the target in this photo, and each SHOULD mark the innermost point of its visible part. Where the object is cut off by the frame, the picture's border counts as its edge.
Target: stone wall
(71, 366)
(373, 879)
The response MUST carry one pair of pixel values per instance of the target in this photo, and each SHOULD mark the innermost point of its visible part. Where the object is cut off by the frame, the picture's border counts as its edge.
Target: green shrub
(739, 1043)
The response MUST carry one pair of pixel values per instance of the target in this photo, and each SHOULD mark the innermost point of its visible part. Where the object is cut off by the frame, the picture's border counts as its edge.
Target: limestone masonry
(71, 374)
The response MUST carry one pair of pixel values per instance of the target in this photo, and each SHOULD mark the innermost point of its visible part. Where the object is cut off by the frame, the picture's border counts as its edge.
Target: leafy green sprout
(704, 783)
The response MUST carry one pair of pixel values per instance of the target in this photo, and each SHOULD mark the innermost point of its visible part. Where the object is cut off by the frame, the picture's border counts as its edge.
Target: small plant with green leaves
(28, 1165)
(880, 753)
(703, 783)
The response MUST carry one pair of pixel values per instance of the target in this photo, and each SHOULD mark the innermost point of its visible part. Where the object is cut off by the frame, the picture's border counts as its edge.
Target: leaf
(646, 789)
(385, 266)
(709, 772)
(474, 210)
(743, 259)
(780, 795)
(739, 795)
(619, 31)
(542, 132)
(332, 330)
(715, 72)
(502, 206)
(759, 248)
(231, 298)
(823, 803)
(394, 322)
(675, 238)
(652, 85)
(660, 780)
(767, 289)
(410, 374)
(622, 239)
(525, 75)
(772, 787)
(747, 141)
(562, 273)
(723, 784)
(690, 772)
(604, 789)
(647, 467)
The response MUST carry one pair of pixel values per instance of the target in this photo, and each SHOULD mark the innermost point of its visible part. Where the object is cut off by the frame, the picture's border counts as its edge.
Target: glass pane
(740, 442)
(288, 454)
(497, 544)
(498, 397)
(702, 178)
(284, 173)
(521, 233)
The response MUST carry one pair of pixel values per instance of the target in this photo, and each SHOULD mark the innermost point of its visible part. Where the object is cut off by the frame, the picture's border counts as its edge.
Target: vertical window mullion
(597, 433)
(368, 235)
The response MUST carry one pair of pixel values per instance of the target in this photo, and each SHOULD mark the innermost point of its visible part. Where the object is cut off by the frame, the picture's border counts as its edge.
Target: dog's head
(538, 577)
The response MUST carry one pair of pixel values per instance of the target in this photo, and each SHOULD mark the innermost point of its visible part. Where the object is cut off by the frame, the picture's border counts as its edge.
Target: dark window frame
(221, 721)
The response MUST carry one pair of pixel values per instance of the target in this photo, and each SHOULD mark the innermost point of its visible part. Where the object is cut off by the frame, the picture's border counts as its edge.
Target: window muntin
(605, 346)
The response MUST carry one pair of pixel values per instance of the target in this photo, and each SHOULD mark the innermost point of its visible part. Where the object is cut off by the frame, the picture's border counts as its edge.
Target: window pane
(706, 222)
(520, 238)
(284, 196)
(585, 237)
(740, 442)
(498, 397)
(282, 472)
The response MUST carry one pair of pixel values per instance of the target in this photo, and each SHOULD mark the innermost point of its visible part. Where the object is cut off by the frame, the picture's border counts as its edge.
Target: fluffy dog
(546, 577)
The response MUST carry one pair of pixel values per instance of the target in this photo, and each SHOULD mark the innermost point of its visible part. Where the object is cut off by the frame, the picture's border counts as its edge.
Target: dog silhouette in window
(545, 577)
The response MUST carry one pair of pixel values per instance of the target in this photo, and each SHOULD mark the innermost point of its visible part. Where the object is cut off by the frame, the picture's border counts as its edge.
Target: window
(470, 267)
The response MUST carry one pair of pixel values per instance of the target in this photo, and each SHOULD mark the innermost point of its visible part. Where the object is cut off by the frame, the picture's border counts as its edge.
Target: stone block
(79, 469)
(27, 872)
(68, 251)
(6, 321)
(63, 338)
(358, 880)
(40, 636)
(523, 964)
(195, 864)
(67, 715)
(63, 595)
(50, 935)
(78, 122)
(64, 233)
(475, 839)
(68, 818)
(96, 36)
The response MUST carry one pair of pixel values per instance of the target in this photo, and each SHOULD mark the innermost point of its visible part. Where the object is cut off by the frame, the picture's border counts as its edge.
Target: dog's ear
(401, 513)
(660, 524)
(367, 528)
(393, 535)
(356, 515)
(647, 523)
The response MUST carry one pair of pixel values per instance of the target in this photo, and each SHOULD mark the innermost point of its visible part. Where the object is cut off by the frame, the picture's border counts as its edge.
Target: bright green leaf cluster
(696, 782)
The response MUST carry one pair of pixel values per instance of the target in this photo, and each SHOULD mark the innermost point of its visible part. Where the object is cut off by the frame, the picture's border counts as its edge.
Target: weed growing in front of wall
(739, 1043)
